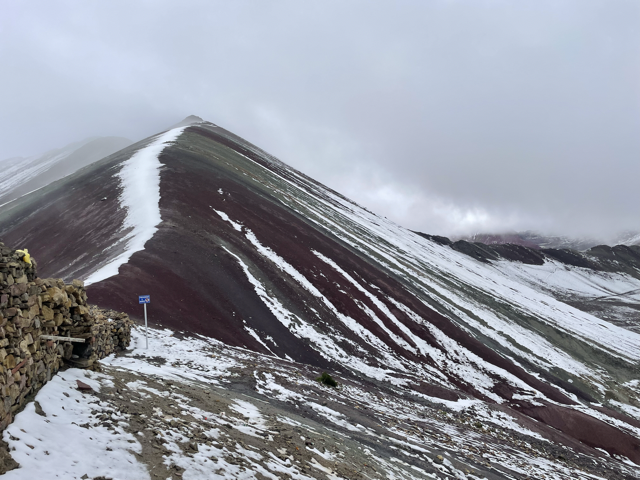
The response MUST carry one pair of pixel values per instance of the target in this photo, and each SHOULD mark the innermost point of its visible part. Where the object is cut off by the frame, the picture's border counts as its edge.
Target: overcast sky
(447, 116)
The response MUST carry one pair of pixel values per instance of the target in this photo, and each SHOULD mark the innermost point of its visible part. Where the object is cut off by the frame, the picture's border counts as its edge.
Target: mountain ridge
(534, 239)
(24, 175)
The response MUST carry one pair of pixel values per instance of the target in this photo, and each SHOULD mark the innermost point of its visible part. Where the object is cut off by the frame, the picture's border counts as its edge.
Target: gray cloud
(446, 116)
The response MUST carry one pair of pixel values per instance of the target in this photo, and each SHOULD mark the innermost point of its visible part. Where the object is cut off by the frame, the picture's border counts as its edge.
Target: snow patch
(70, 440)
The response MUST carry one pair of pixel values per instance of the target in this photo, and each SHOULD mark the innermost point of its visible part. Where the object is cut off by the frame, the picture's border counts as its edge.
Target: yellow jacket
(25, 255)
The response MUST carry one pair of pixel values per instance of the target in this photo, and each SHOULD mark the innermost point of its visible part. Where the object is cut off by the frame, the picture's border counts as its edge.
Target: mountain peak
(190, 120)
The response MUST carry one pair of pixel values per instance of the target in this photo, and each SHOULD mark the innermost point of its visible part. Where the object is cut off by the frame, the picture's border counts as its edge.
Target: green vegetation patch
(327, 380)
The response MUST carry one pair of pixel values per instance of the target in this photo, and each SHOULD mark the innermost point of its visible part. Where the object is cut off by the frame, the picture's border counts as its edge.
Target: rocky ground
(195, 408)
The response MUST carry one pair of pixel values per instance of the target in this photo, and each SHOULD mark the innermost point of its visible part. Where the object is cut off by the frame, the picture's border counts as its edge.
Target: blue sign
(144, 299)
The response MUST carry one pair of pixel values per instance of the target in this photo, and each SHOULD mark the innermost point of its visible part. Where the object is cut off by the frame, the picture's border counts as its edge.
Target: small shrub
(327, 380)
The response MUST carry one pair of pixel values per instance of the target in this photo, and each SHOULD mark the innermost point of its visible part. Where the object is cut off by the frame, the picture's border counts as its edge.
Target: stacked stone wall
(32, 309)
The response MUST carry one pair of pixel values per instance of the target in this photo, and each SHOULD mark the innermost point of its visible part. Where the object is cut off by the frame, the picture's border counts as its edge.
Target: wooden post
(66, 339)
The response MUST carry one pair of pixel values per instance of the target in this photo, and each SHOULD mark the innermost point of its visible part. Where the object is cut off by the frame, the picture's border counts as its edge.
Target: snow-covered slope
(23, 175)
(611, 296)
(629, 238)
(255, 254)
(194, 408)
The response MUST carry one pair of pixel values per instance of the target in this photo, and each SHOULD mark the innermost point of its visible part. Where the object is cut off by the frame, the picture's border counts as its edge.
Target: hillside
(235, 245)
(537, 241)
(24, 175)
(195, 408)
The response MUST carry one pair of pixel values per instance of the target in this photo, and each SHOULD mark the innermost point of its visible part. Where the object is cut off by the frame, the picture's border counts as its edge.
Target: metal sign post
(144, 299)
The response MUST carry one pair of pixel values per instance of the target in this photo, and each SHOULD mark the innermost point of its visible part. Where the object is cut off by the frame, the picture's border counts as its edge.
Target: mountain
(601, 281)
(629, 238)
(537, 240)
(23, 175)
(236, 246)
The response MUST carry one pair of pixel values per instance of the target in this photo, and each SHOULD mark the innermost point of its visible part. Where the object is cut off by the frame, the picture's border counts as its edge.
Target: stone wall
(30, 308)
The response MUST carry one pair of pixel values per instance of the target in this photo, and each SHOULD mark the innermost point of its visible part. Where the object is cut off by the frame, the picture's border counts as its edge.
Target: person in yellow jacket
(25, 255)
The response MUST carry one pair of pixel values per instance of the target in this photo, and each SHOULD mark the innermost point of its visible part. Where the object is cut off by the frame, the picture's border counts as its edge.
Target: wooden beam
(19, 366)
(66, 339)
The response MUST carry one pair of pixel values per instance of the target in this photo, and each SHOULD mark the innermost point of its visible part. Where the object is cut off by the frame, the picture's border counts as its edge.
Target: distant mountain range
(233, 244)
(537, 240)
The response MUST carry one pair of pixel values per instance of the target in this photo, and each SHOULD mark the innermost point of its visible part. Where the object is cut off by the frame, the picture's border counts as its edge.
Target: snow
(140, 181)
(554, 276)
(251, 412)
(327, 347)
(630, 239)
(179, 353)
(449, 277)
(512, 304)
(255, 335)
(336, 417)
(349, 322)
(381, 306)
(70, 442)
(226, 218)
(268, 385)
(77, 442)
(467, 366)
(18, 172)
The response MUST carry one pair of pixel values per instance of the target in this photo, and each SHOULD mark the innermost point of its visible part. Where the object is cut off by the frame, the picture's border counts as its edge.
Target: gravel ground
(199, 409)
